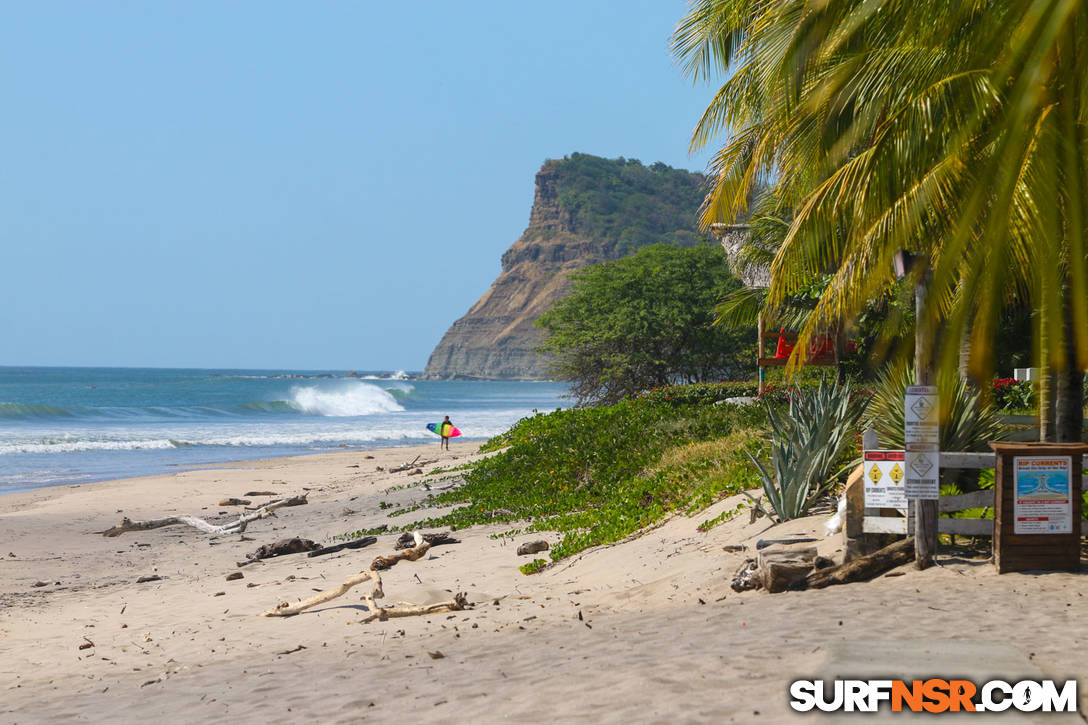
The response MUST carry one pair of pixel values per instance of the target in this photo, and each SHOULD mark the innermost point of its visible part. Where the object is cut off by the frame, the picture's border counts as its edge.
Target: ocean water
(60, 426)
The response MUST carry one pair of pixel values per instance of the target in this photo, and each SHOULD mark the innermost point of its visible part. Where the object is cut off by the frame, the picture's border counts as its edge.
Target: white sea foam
(347, 398)
(75, 446)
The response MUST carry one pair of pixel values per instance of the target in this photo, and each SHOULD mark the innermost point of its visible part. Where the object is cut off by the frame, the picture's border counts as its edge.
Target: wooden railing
(950, 504)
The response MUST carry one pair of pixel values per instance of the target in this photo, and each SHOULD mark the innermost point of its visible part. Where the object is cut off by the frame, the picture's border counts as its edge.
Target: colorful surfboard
(450, 431)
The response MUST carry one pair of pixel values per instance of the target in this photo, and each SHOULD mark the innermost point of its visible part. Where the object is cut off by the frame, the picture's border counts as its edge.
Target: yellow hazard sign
(896, 474)
(884, 475)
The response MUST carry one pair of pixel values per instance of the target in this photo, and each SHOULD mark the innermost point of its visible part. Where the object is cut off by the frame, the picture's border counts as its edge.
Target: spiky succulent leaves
(967, 423)
(806, 444)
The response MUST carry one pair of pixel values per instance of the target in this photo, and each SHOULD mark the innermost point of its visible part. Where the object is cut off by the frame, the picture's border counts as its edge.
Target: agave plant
(967, 422)
(806, 445)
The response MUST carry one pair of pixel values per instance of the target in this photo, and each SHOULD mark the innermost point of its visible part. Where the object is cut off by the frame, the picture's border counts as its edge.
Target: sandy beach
(647, 630)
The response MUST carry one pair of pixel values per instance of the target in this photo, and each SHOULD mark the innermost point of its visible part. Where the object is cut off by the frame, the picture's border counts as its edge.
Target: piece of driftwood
(387, 562)
(406, 466)
(764, 543)
(864, 567)
(233, 527)
(356, 544)
(294, 545)
(459, 602)
(783, 568)
(440, 538)
(233, 501)
(285, 609)
(746, 577)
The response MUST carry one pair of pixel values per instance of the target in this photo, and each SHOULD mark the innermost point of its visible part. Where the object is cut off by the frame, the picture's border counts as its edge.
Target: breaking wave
(345, 400)
(25, 410)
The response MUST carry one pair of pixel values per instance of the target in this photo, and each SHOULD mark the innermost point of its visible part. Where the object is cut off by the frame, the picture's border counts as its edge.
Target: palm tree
(952, 129)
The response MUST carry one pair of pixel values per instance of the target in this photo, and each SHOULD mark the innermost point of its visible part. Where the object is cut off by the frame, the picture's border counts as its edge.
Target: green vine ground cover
(597, 475)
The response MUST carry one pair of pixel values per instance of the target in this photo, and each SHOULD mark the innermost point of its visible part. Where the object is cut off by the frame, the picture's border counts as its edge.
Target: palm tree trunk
(1069, 388)
(925, 511)
(840, 353)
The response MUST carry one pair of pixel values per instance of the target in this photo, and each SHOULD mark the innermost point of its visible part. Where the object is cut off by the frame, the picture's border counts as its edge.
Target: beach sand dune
(647, 630)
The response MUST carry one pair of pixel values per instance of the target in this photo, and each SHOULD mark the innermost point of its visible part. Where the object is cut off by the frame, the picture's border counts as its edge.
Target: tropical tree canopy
(951, 129)
(645, 321)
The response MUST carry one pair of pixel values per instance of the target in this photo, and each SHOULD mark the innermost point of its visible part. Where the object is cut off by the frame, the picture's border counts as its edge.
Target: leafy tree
(953, 129)
(645, 321)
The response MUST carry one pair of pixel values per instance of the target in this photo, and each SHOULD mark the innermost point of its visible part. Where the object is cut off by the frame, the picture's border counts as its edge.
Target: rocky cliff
(581, 215)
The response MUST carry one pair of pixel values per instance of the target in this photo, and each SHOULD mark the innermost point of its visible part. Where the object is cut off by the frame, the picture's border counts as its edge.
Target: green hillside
(625, 202)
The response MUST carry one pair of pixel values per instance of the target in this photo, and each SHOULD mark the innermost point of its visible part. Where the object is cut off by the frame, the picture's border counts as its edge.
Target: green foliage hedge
(710, 393)
(590, 473)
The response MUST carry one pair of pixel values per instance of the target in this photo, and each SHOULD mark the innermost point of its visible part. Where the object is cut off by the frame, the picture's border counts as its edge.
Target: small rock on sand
(234, 575)
(532, 547)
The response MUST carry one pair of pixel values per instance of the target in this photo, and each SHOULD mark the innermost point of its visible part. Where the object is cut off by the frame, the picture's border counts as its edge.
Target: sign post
(1037, 516)
(921, 435)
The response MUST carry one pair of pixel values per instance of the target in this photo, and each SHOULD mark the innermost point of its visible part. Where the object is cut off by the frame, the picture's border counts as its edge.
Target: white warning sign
(921, 434)
(923, 468)
(884, 474)
(920, 415)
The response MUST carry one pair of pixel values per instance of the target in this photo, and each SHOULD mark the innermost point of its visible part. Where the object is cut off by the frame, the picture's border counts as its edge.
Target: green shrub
(533, 566)
(1010, 394)
(596, 474)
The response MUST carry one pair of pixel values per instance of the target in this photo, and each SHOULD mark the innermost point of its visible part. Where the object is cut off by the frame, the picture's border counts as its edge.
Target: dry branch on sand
(459, 602)
(865, 567)
(440, 538)
(233, 527)
(416, 463)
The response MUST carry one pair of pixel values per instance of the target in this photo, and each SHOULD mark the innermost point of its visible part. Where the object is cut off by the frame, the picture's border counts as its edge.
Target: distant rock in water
(586, 210)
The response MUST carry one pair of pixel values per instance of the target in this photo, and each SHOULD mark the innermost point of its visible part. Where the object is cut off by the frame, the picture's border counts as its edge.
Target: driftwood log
(234, 527)
(864, 567)
(284, 609)
(459, 602)
(440, 538)
(387, 562)
(783, 568)
(356, 544)
(294, 545)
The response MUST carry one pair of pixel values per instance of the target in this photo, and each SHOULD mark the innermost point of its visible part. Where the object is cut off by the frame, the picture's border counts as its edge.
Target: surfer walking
(445, 442)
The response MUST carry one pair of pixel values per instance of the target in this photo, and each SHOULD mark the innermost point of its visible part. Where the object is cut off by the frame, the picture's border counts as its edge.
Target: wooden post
(925, 533)
(759, 353)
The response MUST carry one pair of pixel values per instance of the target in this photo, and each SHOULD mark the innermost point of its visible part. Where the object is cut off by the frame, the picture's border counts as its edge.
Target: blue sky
(315, 185)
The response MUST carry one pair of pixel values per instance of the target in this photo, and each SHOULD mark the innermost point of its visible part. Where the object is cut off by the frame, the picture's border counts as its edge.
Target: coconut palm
(952, 129)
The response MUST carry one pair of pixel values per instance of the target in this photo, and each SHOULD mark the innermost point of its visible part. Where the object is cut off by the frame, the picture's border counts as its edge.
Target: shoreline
(180, 468)
(644, 630)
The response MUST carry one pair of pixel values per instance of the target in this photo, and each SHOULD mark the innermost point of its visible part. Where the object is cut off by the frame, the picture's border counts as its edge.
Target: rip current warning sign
(883, 474)
(1043, 501)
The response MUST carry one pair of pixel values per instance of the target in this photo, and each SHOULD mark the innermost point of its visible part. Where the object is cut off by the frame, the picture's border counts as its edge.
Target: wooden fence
(877, 524)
